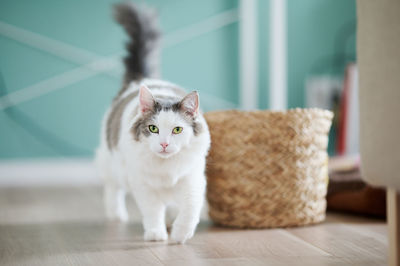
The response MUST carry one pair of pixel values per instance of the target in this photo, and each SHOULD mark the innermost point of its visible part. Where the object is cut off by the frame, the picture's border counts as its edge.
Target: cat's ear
(146, 99)
(190, 104)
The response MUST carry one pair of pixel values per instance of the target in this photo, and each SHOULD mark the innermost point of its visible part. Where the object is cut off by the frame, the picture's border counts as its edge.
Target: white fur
(157, 181)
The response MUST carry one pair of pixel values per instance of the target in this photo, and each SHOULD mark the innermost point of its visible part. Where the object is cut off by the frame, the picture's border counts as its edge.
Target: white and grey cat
(154, 141)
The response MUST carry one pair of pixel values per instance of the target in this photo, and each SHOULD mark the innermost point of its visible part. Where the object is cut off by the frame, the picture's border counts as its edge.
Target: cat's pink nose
(164, 145)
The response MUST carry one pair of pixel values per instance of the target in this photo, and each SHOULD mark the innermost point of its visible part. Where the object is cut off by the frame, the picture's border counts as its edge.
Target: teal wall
(263, 51)
(314, 27)
(66, 122)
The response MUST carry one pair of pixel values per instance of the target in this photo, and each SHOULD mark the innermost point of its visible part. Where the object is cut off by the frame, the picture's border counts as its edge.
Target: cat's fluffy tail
(143, 47)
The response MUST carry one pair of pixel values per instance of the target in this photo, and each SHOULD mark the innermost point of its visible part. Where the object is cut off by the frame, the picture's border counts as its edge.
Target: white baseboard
(48, 172)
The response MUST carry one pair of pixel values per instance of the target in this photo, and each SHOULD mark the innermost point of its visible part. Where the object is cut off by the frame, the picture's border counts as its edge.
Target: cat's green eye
(153, 129)
(177, 130)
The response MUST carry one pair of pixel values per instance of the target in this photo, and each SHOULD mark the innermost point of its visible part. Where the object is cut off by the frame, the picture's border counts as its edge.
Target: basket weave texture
(268, 169)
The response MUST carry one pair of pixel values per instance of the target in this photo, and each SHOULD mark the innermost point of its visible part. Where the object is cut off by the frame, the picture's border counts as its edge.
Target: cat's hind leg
(114, 194)
(114, 202)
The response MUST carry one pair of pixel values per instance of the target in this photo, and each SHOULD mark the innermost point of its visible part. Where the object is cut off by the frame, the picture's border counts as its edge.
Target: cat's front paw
(181, 234)
(155, 235)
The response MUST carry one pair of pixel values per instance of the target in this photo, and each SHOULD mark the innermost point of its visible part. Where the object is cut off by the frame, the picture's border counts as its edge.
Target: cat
(154, 140)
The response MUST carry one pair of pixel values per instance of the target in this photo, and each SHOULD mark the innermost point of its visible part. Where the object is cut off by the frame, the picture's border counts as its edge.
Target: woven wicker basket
(268, 169)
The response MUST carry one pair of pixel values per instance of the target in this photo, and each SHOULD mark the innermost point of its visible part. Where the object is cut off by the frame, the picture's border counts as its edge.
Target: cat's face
(166, 129)
(169, 132)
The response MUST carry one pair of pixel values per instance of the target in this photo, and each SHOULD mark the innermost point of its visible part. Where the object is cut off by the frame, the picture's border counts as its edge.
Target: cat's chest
(162, 180)
(165, 174)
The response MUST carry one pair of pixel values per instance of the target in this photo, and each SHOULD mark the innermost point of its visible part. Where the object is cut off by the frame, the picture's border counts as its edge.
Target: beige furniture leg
(393, 219)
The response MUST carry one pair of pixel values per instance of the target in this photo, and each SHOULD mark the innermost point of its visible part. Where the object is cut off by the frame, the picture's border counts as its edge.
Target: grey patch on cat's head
(177, 107)
(190, 119)
(193, 122)
(197, 128)
(140, 127)
(164, 103)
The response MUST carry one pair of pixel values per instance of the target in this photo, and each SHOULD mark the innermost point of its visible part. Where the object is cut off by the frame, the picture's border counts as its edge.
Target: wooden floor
(66, 226)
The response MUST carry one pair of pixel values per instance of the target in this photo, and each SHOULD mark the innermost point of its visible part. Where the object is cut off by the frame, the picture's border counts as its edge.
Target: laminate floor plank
(344, 241)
